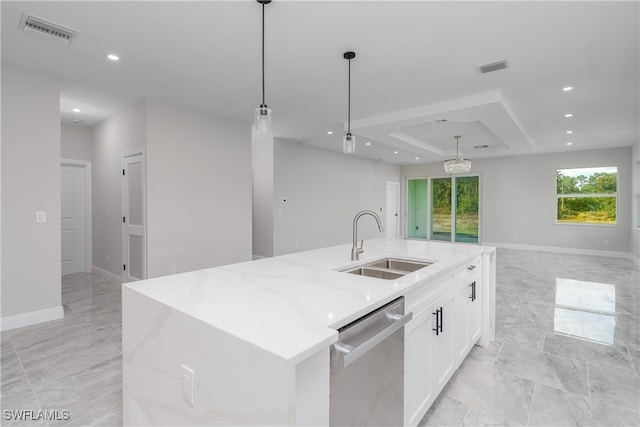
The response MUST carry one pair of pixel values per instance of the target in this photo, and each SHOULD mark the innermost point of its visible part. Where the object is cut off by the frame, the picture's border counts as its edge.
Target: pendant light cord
(263, 54)
(349, 102)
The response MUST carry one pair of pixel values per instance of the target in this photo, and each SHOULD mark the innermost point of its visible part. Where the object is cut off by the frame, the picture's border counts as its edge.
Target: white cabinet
(417, 366)
(446, 323)
(468, 317)
(443, 360)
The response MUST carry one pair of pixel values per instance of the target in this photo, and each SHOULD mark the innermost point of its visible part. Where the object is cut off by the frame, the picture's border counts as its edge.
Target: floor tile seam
(633, 365)
(109, 341)
(33, 391)
(497, 354)
(533, 396)
(466, 414)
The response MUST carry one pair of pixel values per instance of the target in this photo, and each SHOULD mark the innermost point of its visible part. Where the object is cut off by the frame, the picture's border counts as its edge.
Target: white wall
(76, 142)
(635, 191)
(262, 194)
(198, 190)
(124, 131)
(30, 182)
(324, 190)
(518, 199)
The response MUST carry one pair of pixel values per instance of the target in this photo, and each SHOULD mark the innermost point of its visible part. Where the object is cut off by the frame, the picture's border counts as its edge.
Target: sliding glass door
(466, 211)
(445, 209)
(417, 208)
(440, 209)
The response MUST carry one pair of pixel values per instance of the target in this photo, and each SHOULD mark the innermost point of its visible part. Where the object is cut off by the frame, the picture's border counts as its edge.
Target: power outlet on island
(187, 384)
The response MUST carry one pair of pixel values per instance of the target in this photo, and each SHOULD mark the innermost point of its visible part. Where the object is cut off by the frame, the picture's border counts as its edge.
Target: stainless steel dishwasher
(367, 368)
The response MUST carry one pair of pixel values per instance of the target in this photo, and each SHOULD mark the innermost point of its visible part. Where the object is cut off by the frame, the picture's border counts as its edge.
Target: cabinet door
(474, 316)
(443, 359)
(463, 306)
(417, 355)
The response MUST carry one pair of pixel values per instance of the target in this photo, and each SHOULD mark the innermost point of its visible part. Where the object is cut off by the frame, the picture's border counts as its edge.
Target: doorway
(75, 213)
(392, 208)
(134, 266)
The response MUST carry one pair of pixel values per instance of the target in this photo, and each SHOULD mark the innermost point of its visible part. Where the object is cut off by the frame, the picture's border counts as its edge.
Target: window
(587, 195)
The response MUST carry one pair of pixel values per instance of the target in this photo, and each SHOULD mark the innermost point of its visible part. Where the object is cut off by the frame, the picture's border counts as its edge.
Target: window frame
(586, 195)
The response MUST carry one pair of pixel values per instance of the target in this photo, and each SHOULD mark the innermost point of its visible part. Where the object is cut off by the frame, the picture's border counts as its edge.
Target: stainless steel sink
(378, 273)
(387, 268)
(399, 264)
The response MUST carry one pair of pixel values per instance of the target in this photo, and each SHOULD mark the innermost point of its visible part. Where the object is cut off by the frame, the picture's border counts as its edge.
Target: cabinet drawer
(419, 298)
(468, 269)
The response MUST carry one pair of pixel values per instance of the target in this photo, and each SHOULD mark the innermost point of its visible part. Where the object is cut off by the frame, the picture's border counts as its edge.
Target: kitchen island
(249, 343)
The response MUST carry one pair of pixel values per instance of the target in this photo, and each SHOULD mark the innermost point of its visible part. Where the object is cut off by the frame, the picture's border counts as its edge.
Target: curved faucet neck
(355, 252)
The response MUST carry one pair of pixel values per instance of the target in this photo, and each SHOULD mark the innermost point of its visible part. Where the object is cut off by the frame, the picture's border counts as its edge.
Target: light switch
(41, 217)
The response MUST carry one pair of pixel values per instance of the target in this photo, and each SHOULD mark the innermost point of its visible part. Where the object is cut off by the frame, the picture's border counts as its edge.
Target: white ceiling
(416, 64)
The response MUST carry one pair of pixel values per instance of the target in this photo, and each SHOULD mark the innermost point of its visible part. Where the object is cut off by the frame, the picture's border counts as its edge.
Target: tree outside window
(587, 195)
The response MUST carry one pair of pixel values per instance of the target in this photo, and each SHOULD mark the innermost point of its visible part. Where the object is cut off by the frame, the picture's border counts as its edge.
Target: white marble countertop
(291, 305)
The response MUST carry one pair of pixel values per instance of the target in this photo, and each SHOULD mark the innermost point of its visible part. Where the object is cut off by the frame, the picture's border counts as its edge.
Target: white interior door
(393, 208)
(133, 220)
(73, 218)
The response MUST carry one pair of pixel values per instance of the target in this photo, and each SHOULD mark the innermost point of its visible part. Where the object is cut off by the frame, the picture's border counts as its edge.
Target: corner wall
(198, 190)
(123, 131)
(518, 199)
(31, 290)
(324, 190)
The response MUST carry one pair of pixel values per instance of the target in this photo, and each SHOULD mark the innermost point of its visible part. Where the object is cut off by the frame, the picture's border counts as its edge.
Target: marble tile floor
(532, 375)
(72, 364)
(567, 349)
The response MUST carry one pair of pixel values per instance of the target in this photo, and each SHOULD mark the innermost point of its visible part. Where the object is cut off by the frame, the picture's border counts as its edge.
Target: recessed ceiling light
(76, 110)
(569, 143)
(113, 57)
(417, 158)
(330, 133)
(367, 143)
(567, 88)
(568, 115)
(569, 132)
(395, 152)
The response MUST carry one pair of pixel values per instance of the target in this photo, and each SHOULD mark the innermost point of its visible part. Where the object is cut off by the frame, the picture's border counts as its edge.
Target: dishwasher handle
(351, 354)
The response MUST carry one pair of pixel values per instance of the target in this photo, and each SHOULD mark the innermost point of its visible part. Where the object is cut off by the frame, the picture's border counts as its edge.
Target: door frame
(88, 236)
(398, 206)
(405, 205)
(123, 193)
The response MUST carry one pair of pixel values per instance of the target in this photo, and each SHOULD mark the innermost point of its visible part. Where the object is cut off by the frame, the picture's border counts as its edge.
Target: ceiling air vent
(494, 66)
(48, 29)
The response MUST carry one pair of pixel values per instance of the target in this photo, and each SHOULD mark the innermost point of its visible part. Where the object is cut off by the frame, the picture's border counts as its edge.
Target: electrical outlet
(187, 384)
(41, 217)
(606, 243)
(172, 270)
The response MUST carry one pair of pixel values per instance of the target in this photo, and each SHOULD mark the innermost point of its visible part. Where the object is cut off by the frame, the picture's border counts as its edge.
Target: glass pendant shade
(262, 122)
(457, 166)
(349, 144)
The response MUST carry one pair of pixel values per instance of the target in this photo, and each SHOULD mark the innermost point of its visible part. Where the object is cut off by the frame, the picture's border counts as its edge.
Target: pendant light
(457, 165)
(349, 141)
(262, 122)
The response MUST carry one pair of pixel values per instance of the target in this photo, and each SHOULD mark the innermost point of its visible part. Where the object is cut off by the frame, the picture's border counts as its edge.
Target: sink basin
(399, 264)
(379, 273)
(387, 268)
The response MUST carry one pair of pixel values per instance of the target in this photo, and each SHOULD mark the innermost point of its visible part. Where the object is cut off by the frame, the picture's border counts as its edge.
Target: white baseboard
(576, 251)
(106, 274)
(31, 318)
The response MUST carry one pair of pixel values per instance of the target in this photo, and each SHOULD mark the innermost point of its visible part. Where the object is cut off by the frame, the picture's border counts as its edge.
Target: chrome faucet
(355, 251)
